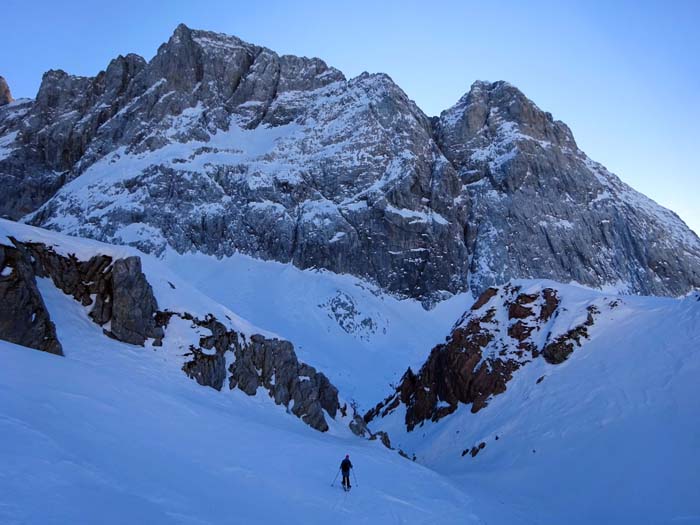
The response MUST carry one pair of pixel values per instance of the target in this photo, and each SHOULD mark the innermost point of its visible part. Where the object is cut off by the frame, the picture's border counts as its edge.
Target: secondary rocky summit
(506, 329)
(217, 145)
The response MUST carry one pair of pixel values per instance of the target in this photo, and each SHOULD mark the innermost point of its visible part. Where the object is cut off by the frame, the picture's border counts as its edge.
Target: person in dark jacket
(345, 467)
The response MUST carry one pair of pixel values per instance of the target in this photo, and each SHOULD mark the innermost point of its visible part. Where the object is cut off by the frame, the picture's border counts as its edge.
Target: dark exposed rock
(206, 369)
(121, 292)
(551, 302)
(272, 364)
(559, 350)
(481, 354)
(484, 298)
(452, 374)
(80, 279)
(475, 449)
(518, 311)
(383, 437)
(520, 330)
(260, 363)
(358, 426)
(133, 304)
(5, 95)
(24, 319)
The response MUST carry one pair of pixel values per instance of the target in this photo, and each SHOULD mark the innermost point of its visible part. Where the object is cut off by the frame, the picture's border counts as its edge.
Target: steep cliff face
(217, 145)
(539, 207)
(117, 292)
(260, 362)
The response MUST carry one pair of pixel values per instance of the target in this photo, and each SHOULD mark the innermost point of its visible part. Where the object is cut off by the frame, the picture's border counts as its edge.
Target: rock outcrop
(260, 362)
(24, 319)
(5, 95)
(218, 146)
(272, 364)
(505, 330)
(119, 297)
(116, 290)
(133, 305)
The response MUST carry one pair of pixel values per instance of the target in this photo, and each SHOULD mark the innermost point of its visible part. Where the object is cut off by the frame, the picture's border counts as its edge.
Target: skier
(345, 467)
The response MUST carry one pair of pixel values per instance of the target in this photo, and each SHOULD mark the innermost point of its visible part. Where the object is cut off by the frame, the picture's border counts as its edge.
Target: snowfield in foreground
(615, 428)
(116, 433)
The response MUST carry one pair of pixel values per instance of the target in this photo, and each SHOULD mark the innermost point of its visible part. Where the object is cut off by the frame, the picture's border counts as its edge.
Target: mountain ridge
(228, 146)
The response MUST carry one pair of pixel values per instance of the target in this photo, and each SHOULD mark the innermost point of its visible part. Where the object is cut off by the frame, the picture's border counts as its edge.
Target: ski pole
(354, 477)
(336, 477)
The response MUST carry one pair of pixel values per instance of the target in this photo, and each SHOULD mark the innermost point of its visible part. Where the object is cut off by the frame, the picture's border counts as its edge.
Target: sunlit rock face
(5, 95)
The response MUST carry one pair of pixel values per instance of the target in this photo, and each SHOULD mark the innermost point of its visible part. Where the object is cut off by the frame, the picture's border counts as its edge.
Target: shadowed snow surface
(115, 433)
(118, 434)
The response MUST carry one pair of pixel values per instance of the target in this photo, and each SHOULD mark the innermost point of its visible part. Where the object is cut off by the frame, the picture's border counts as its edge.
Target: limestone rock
(272, 363)
(133, 305)
(121, 292)
(265, 363)
(217, 145)
(206, 369)
(540, 208)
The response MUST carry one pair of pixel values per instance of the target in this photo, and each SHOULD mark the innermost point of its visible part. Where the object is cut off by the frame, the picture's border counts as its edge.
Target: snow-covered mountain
(218, 146)
(224, 269)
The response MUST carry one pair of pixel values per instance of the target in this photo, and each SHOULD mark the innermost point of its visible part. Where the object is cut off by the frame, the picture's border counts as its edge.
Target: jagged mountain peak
(208, 58)
(492, 111)
(217, 145)
(186, 36)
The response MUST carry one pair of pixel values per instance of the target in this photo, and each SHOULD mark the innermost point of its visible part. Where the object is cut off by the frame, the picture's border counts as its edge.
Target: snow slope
(360, 337)
(612, 435)
(114, 433)
(361, 352)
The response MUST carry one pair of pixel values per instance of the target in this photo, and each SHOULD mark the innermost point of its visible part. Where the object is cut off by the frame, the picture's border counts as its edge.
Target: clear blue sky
(625, 75)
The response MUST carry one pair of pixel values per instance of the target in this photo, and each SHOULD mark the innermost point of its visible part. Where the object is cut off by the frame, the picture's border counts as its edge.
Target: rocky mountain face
(541, 208)
(217, 145)
(507, 328)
